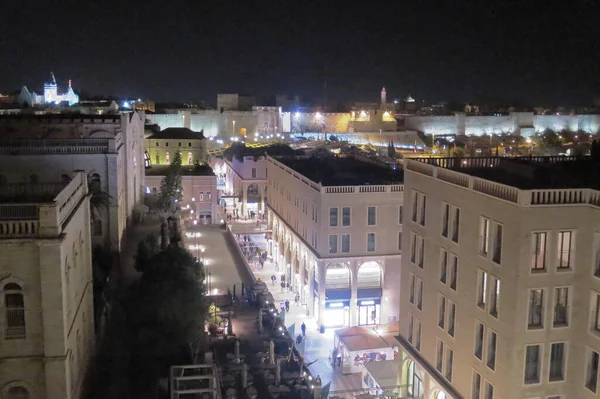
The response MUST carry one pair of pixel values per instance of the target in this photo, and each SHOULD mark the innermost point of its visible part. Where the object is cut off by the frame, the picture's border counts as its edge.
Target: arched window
(15, 311)
(167, 157)
(33, 179)
(369, 275)
(18, 393)
(337, 275)
(190, 158)
(95, 183)
(147, 162)
(157, 158)
(65, 178)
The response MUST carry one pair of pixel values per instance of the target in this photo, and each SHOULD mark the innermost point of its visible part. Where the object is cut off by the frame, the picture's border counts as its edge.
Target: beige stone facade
(109, 148)
(500, 286)
(46, 305)
(245, 183)
(162, 146)
(339, 246)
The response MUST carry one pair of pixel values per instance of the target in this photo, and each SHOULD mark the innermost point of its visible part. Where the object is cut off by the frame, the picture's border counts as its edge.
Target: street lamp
(197, 246)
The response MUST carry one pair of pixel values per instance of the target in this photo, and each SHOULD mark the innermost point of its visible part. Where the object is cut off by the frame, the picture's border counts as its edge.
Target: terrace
(522, 180)
(39, 210)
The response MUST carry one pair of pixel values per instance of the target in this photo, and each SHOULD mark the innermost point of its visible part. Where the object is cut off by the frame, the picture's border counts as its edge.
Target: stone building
(245, 183)
(109, 148)
(46, 305)
(162, 146)
(500, 288)
(336, 234)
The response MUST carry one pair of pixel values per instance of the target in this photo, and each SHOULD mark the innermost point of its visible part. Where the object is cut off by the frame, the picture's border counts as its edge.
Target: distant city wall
(402, 139)
(514, 123)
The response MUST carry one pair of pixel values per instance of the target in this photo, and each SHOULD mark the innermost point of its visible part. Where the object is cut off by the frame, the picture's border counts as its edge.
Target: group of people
(255, 256)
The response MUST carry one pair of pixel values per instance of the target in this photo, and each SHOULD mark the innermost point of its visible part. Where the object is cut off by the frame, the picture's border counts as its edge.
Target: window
(455, 225)
(399, 241)
(497, 255)
(18, 393)
(411, 322)
(557, 362)
(442, 312)
(333, 217)
(591, 377)
(166, 144)
(201, 196)
(371, 216)
(167, 157)
(565, 245)
(538, 259)
(345, 243)
(454, 272)
(254, 173)
(489, 390)
(400, 212)
(439, 358)
(179, 144)
(491, 352)
(411, 291)
(561, 307)
(418, 336)
(333, 244)
(370, 242)
(495, 296)
(346, 216)
(445, 219)
(532, 364)
(444, 266)
(596, 312)
(190, 158)
(97, 228)
(484, 236)
(476, 390)
(449, 363)
(420, 296)
(189, 144)
(413, 247)
(597, 255)
(208, 196)
(157, 158)
(451, 319)
(415, 205)
(479, 334)
(536, 309)
(423, 209)
(481, 288)
(421, 252)
(15, 311)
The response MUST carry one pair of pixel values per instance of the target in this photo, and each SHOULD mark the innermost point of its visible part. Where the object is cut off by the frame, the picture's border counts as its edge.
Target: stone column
(244, 200)
(322, 292)
(353, 266)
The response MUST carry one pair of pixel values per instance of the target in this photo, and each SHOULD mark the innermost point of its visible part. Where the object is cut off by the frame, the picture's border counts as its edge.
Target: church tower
(51, 90)
(383, 97)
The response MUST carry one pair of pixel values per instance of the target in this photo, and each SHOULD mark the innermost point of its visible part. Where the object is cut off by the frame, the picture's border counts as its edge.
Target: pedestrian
(273, 279)
(334, 355)
(298, 339)
(287, 305)
(282, 286)
(281, 306)
(288, 286)
(297, 299)
(283, 278)
(303, 328)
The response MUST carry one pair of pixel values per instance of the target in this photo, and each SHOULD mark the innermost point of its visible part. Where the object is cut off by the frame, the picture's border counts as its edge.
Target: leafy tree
(146, 250)
(171, 189)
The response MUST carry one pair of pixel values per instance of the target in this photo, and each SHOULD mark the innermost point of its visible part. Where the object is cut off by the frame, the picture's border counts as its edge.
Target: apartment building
(110, 148)
(46, 305)
(245, 183)
(336, 235)
(500, 289)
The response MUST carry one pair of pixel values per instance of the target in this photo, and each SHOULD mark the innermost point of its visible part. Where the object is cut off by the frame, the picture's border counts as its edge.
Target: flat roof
(186, 170)
(342, 171)
(527, 173)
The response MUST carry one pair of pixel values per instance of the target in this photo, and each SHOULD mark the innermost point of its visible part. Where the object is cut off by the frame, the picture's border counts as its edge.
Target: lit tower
(383, 97)
(51, 90)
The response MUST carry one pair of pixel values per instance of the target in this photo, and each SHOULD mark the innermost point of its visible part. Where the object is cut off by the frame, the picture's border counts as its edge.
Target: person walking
(334, 355)
(282, 286)
(297, 299)
(287, 305)
(303, 328)
(273, 279)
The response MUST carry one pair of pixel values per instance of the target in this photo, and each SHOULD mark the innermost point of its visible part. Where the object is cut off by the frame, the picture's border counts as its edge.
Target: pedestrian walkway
(318, 345)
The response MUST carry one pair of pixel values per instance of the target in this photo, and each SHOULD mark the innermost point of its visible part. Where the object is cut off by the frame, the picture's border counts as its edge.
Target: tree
(171, 189)
(146, 250)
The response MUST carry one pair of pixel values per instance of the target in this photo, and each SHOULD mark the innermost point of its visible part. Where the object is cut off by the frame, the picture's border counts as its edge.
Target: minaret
(383, 97)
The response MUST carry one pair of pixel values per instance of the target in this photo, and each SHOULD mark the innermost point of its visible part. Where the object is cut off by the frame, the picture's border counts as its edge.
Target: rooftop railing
(448, 170)
(360, 189)
(57, 146)
(49, 207)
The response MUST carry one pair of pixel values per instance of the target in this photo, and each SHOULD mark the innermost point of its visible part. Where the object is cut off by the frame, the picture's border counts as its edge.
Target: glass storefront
(369, 312)
(337, 314)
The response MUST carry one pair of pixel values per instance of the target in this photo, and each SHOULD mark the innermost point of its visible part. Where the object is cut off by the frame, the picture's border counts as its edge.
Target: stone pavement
(318, 346)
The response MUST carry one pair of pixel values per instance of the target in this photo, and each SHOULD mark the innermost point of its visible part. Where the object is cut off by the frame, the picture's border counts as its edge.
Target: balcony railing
(15, 324)
(55, 146)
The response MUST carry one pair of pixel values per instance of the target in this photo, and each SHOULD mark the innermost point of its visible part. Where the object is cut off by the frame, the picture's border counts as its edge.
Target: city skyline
(503, 53)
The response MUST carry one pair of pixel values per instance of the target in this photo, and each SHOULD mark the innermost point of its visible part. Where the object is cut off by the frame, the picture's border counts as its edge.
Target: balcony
(57, 146)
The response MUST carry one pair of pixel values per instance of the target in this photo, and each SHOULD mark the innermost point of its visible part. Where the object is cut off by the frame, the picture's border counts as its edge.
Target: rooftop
(186, 170)
(342, 170)
(239, 150)
(177, 133)
(41, 193)
(527, 173)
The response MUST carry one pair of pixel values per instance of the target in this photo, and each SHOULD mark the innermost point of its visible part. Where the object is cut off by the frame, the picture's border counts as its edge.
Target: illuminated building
(337, 237)
(500, 283)
(46, 305)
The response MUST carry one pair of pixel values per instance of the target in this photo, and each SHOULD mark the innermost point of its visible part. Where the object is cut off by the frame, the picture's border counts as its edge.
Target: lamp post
(197, 246)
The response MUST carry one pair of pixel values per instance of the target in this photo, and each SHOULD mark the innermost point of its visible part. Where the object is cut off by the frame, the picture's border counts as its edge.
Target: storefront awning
(338, 295)
(367, 342)
(369, 293)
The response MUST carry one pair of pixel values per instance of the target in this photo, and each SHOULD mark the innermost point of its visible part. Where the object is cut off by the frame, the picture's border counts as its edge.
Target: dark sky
(190, 50)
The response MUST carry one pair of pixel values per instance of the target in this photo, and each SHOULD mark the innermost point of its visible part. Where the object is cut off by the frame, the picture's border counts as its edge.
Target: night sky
(192, 50)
